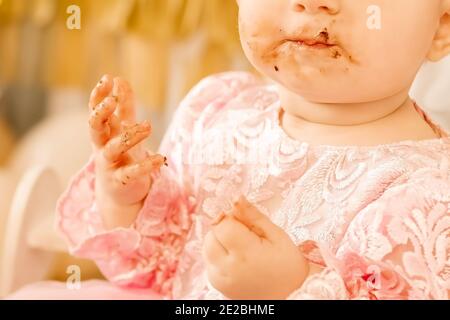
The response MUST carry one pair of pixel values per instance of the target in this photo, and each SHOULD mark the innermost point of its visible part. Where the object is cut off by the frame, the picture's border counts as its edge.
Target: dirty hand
(123, 166)
(249, 257)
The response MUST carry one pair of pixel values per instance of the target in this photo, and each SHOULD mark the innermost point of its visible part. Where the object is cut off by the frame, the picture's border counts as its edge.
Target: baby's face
(339, 51)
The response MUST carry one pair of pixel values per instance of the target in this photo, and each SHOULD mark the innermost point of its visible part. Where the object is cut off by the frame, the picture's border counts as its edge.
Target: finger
(218, 219)
(101, 114)
(253, 219)
(99, 121)
(114, 125)
(134, 171)
(213, 251)
(127, 139)
(234, 236)
(123, 92)
(101, 91)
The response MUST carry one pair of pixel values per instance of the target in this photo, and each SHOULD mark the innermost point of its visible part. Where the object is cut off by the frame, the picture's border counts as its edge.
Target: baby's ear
(441, 43)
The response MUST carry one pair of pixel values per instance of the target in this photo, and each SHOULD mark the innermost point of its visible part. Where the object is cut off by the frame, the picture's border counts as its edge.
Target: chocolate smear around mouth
(324, 35)
(336, 54)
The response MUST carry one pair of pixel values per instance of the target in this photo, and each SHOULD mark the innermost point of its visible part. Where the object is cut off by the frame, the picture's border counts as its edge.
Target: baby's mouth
(313, 43)
(320, 41)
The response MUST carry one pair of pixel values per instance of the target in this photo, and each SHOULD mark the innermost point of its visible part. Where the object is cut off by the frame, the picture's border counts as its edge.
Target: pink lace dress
(375, 218)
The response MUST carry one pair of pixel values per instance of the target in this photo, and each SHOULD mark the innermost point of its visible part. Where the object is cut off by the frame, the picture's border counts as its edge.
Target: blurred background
(163, 47)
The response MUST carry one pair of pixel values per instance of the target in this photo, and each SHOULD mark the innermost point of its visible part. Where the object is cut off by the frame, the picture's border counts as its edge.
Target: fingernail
(218, 218)
(102, 81)
(242, 201)
(156, 160)
(100, 107)
(145, 125)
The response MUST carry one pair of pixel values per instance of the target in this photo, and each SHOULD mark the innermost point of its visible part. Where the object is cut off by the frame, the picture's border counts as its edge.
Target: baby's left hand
(249, 257)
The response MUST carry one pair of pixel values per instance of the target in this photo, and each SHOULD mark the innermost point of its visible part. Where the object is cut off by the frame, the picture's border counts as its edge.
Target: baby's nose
(316, 6)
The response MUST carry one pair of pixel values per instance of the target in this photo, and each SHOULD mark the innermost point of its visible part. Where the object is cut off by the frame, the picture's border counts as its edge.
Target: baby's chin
(325, 90)
(319, 72)
(324, 86)
(307, 61)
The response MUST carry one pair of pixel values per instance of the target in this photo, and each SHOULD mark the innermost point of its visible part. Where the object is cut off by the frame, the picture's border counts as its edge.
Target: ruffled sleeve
(398, 247)
(146, 254)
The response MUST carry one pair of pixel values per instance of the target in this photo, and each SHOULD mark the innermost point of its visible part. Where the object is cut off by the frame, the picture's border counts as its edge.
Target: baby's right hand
(123, 166)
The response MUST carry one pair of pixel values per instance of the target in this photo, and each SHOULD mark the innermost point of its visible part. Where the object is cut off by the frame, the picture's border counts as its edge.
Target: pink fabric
(376, 218)
(89, 290)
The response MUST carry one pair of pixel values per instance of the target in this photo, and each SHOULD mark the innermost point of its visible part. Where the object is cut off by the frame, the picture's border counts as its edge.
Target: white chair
(30, 242)
(430, 90)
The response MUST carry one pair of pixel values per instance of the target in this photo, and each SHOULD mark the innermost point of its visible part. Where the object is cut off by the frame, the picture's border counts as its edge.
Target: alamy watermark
(73, 281)
(73, 22)
(374, 19)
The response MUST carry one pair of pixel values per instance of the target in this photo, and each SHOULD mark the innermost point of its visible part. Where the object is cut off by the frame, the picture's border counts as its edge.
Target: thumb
(255, 220)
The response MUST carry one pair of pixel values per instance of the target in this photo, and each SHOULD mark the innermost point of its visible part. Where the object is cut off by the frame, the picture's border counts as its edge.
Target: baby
(330, 183)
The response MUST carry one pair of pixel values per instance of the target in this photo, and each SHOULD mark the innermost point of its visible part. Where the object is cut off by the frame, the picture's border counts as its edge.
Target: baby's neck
(385, 121)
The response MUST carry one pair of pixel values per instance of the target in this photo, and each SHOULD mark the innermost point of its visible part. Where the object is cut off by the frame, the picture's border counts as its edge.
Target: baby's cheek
(255, 49)
(259, 47)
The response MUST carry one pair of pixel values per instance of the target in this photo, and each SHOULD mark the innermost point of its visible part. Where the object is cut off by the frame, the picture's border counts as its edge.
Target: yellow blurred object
(12, 13)
(6, 142)
(191, 19)
(150, 28)
(145, 65)
(103, 24)
(111, 16)
(221, 24)
(163, 47)
(118, 35)
(154, 26)
(65, 56)
(77, 58)
(156, 19)
(43, 12)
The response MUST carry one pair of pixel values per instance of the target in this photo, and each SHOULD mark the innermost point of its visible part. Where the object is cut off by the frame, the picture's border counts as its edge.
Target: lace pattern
(384, 210)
